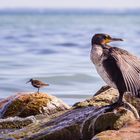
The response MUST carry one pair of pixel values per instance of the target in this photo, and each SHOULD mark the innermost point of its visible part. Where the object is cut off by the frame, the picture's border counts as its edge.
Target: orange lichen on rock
(27, 104)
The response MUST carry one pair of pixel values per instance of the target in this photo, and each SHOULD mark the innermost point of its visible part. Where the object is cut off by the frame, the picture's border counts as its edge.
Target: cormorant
(117, 67)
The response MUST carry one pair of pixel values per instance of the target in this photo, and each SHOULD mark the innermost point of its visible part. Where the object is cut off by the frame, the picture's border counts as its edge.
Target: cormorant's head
(103, 39)
(29, 81)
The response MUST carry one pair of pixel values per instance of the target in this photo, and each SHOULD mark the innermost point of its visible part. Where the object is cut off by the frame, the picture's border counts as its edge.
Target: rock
(113, 120)
(72, 125)
(64, 127)
(13, 123)
(107, 95)
(81, 122)
(16, 122)
(27, 104)
(107, 121)
(129, 132)
(133, 100)
(104, 96)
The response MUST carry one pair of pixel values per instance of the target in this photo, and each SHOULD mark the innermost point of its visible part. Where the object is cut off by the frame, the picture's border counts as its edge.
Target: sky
(84, 4)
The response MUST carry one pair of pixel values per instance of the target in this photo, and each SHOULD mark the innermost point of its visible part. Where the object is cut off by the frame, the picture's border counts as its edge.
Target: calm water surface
(55, 48)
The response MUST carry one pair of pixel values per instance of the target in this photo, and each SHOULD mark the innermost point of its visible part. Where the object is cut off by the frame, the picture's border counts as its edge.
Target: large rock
(81, 122)
(27, 104)
(104, 96)
(64, 127)
(76, 124)
(107, 95)
(107, 121)
(130, 132)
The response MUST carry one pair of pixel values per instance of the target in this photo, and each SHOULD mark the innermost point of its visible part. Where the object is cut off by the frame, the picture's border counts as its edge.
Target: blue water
(55, 48)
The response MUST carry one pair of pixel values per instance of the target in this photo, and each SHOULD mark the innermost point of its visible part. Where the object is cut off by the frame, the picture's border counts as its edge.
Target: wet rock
(129, 132)
(27, 104)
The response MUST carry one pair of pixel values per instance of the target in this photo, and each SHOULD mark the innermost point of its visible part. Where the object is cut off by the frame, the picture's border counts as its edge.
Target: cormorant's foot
(113, 106)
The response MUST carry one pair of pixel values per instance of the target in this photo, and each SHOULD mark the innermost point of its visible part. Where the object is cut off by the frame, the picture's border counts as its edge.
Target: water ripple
(55, 48)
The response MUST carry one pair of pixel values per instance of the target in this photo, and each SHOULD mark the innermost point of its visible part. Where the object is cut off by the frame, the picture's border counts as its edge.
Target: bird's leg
(118, 103)
(38, 90)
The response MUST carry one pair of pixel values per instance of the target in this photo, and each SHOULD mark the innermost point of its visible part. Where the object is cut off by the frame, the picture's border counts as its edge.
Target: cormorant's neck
(101, 45)
(105, 46)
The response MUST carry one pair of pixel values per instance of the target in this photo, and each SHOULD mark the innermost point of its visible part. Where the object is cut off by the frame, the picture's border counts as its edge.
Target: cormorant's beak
(112, 39)
(116, 39)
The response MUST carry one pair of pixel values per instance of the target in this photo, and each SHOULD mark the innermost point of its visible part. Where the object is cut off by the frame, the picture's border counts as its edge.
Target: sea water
(54, 47)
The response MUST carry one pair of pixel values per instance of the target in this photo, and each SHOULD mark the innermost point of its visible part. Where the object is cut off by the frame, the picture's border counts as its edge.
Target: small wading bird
(37, 84)
(117, 67)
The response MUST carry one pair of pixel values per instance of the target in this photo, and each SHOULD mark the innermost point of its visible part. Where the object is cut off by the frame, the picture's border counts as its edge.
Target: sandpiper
(37, 84)
(117, 67)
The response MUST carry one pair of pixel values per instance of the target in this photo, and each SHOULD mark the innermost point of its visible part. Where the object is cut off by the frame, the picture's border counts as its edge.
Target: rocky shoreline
(33, 116)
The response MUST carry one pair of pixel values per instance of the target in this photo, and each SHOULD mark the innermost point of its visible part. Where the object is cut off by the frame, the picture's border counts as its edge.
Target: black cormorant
(117, 67)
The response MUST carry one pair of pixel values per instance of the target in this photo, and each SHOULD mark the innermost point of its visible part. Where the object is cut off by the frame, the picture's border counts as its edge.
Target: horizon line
(70, 8)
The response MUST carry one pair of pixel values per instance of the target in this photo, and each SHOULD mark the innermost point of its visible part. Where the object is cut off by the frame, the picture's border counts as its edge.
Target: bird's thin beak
(27, 81)
(116, 39)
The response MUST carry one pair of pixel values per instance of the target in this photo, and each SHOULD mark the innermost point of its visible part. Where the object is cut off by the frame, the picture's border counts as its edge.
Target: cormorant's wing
(129, 66)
